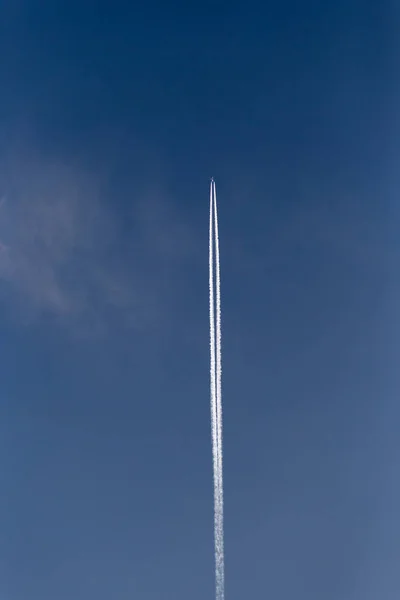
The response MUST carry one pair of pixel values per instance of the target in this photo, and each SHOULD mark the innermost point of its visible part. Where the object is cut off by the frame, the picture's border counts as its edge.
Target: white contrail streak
(219, 377)
(215, 389)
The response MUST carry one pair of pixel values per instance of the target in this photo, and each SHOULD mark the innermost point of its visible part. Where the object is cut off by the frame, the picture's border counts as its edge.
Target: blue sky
(113, 118)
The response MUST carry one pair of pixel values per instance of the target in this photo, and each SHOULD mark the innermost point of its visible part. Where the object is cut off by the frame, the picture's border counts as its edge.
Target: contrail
(218, 386)
(216, 392)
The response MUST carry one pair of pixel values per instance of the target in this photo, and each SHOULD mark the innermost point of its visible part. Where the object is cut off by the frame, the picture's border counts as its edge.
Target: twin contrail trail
(215, 392)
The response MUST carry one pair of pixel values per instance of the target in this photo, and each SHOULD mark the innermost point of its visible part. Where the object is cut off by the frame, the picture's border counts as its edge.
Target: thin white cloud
(63, 253)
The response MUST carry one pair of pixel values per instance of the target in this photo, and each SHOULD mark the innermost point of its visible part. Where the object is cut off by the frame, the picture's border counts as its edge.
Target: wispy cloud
(64, 252)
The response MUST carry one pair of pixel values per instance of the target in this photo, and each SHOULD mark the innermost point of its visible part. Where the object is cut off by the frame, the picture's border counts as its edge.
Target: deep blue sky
(113, 117)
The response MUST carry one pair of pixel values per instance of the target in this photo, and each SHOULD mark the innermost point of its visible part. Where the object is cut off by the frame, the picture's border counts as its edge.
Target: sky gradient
(113, 118)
